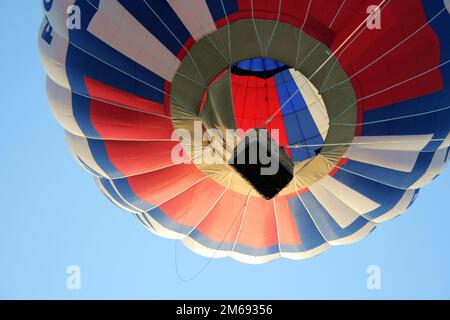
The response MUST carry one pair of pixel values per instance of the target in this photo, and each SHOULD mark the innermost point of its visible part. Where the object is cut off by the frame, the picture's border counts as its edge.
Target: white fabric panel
(171, 234)
(447, 5)
(446, 143)
(314, 102)
(60, 101)
(393, 152)
(79, 148)
(58, 16)
(53, 56)
(399, 143)
(307, 254)
(203, 250)
(437, 165)
(214, 253)
(340, 211)
(356, 201)
(399, 208)
(396, 160)
(195, 16)
(131, 39)
(355, 237)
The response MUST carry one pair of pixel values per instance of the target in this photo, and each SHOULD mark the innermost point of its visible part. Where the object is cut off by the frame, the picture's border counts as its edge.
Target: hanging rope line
(298, 146)
(256, 29)
(373, 122)
(393, 118)
(274, 28)
(301, 32)
(229, 30)
(329, 27)
(373, 16)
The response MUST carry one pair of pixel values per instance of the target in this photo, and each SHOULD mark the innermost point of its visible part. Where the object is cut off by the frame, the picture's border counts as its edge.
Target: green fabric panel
(218, 111)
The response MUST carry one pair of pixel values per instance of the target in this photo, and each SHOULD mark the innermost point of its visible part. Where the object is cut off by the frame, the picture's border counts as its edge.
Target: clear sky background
(52, 216)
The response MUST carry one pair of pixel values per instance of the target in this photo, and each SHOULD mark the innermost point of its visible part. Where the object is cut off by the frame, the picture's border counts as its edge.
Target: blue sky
(53, 216)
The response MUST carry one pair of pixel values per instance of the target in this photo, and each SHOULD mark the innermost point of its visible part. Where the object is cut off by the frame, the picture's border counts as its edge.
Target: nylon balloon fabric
(363, 113)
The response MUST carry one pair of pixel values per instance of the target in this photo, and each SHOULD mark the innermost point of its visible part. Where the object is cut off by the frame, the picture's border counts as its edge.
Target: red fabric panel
(223, 222)
(419, 54)
(335, 170)
(117, 123)
(167, 90)
(320, 16)
(121, 124)
(184, 50)
(255, 100)
(287, 228)
(160, 186)
(259, 228)
(415, 56)
(190, 207)
(106, 93)
(137, 157)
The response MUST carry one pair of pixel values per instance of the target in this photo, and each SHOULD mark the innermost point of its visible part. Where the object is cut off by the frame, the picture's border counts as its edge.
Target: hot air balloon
(362, 112)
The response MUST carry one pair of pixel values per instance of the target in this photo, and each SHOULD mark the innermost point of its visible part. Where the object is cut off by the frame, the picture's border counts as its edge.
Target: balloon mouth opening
(267, 93)
(263, 68)
(227, 83)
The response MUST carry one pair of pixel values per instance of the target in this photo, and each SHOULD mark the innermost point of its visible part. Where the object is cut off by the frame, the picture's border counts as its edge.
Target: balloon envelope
(365, 112)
